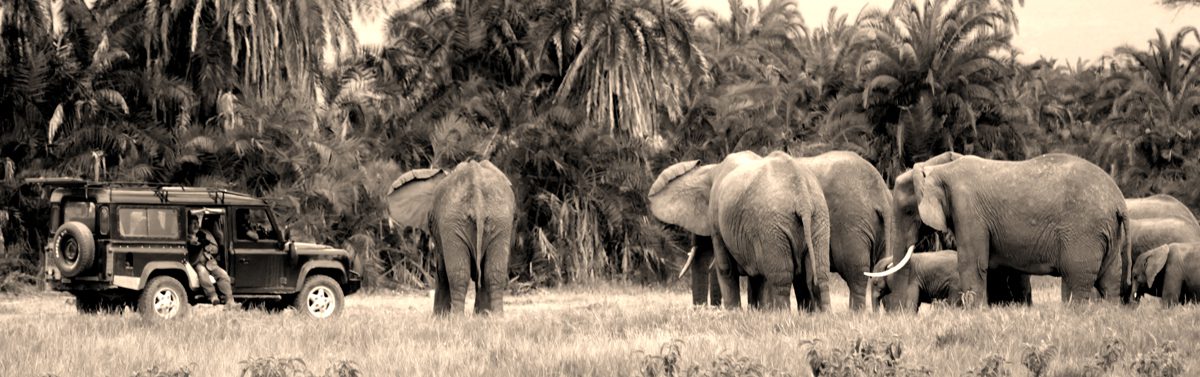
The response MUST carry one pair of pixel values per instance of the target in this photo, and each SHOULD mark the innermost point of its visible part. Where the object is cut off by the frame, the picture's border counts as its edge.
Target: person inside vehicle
(249, 229)
(203, 250)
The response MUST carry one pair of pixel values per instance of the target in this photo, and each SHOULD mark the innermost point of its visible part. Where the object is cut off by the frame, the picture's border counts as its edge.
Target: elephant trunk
(895, 268)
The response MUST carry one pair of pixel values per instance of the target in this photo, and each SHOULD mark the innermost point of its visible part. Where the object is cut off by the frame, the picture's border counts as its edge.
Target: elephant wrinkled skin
(860, 214)
(469, 214)
(767, 219)
(1055, 214)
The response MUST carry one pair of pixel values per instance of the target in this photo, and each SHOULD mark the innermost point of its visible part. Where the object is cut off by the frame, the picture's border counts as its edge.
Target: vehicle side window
(162, 223)
(253, 225)
(84, 212)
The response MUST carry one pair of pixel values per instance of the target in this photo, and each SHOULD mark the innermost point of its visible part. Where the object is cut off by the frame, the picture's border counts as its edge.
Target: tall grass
(606, 330)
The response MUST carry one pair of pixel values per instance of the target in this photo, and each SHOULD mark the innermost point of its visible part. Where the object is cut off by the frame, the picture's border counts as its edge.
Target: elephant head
(919, 201)
(894, 291)
(1147, 271)
(680, 196)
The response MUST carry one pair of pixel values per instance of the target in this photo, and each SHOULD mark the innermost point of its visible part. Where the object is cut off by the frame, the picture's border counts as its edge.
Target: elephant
(705, 289)
(1171, 272)
(860, 214)
(1055, 214)
(767, 219)
(931, 276)
(469, 214)
(1154, 232)
(1160, 206)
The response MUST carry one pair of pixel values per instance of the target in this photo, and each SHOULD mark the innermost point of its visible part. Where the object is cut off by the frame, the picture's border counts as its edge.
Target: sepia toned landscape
(271, 188)
(610, 330)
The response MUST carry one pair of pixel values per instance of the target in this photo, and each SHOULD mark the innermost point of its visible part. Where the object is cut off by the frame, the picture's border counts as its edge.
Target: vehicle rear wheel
(321, 297)
(163, 299)
(74, 248)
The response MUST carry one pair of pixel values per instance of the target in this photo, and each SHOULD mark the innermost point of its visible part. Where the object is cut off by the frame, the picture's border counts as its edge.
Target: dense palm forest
(582, 103)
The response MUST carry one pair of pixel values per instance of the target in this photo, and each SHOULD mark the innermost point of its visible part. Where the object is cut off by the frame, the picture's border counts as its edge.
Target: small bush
(1162, 361)
(294, 367)
(993, 366)
(667, 364)
(155, 372)
(1038, 358)
(862, 358)
(1108, 356)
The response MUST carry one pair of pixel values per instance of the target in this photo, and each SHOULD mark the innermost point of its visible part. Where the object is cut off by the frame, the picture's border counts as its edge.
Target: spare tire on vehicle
(74, 248)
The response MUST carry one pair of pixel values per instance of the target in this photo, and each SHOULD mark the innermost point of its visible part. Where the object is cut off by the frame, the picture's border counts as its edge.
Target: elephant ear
(680, 196)
(932, 196)
(411, 198)
(1155, 261)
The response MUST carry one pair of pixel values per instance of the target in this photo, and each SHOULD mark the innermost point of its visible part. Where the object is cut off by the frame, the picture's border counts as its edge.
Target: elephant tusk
(895, 268)
(691, 256)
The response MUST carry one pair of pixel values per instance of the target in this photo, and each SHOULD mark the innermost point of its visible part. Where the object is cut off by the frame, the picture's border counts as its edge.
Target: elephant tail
(480, 233)
(1126, 258)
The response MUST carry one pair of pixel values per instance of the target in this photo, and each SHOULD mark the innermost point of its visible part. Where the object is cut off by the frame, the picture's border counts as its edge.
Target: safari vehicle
(118, 245)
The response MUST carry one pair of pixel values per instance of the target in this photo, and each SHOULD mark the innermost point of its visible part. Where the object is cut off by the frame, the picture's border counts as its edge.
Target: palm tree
(623, 61)
(929, 72)
(1156, 113)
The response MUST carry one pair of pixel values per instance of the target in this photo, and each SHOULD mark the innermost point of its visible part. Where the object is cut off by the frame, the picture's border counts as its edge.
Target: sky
(1062, 29)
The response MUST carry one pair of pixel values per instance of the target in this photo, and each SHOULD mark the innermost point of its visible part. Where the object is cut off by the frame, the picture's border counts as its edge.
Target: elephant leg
(458, 264)
(493, 280)
(777, 291)
(849, 256)
(756, 292)
(441, 294)
(804, 296)
(727, 275)
(704, 281)
(1008, 287)
(1172, 291)
(973, 254)
(1081, 271)
(714, 288)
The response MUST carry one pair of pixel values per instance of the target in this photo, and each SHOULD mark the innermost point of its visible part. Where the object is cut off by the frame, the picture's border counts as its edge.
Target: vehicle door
(258, 257)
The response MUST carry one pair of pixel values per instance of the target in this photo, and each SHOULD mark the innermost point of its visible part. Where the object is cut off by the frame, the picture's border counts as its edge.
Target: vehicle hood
(308, 248)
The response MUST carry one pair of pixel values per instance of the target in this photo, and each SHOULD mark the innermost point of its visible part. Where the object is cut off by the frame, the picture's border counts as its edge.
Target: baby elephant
(1171, 272)
(931, 276)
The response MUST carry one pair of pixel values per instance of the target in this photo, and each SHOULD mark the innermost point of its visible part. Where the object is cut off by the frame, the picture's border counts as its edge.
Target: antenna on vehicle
(99, 165)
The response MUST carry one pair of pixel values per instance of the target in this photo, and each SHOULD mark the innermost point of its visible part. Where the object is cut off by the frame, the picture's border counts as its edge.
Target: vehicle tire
(163, 299)
(74, 249)
(321, 297)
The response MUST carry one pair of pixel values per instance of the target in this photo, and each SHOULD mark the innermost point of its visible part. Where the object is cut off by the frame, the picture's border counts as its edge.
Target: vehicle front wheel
(321, 297)
(163, 299)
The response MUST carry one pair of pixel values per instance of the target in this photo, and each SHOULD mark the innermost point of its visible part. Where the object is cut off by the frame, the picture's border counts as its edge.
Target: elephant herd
(785, 223)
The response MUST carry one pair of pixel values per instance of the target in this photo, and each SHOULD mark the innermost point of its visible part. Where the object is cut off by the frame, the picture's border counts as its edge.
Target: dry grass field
(603, 331)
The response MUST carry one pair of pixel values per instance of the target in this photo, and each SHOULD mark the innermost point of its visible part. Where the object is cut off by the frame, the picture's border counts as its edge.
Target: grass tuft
(1162, 361)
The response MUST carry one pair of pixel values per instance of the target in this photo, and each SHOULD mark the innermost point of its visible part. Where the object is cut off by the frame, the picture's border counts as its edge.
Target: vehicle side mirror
(287, 233)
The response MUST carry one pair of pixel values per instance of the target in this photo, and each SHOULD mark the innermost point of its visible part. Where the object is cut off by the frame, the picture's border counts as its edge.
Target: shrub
(862, 358)
(1162, 361)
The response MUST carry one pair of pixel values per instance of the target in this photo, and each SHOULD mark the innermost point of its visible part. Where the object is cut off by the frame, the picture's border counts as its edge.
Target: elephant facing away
(469, 214)
(1160, 206)
(1171, 272)
(1154, 232)
(1055, 214)
(860, 216)
(930, 276)
(767, 219)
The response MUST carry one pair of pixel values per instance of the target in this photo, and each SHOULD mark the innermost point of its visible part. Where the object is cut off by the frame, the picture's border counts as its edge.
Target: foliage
(581, 103)
(667, 364)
